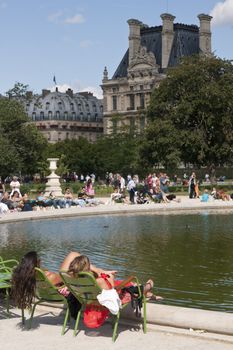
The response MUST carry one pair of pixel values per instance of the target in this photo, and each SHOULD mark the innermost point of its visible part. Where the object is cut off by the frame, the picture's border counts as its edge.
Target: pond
(189, 256)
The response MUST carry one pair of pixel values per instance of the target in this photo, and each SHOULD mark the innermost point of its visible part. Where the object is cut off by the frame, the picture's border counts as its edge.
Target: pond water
(190, 257)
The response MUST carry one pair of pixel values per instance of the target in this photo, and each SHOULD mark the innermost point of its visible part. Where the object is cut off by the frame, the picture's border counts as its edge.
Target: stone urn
(53, 180)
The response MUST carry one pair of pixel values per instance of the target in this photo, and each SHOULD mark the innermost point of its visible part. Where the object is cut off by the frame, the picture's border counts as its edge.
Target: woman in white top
(15, 186)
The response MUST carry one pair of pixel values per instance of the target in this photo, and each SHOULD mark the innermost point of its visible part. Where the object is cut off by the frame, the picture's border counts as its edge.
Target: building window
(47, 106)
(89, 116)
(60, 105)
(50, 115)
(73, 116)
(131, 102)
(72, 107)
(42, 115)
(94, 108)
(87, 107)
(131, 88)
(57, 115)
(79, 107)
(141, 87)
(132, 126)
(65, 115)
(114, 103)
(114, 126)
(33, 116)
(142, 101)
(27, 106)
(101, 108)
(142, 123)
(81, 116)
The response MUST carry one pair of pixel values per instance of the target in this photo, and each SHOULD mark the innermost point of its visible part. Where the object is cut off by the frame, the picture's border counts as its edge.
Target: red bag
(95, 315)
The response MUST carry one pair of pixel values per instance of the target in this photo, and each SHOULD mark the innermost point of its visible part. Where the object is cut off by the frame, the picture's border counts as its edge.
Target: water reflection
(188, 256)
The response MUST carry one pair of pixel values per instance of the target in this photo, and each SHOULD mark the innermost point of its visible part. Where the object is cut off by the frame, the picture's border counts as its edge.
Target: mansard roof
(185, 43)
(83, 105)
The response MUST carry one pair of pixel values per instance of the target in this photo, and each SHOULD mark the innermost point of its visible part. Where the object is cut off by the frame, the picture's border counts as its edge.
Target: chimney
(29, 95)
(69, 92)
(45, 92)
(167, 37)
(134, 38)
(205, 34)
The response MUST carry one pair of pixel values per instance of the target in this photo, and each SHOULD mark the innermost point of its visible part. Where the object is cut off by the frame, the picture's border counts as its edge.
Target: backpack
(136, 301)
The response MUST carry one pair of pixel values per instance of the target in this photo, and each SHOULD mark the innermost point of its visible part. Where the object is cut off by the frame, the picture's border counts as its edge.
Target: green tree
(195, 103)
(18, 91)
(25, 144)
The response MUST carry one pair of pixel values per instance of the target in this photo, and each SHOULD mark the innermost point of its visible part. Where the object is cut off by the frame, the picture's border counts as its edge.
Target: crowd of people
(129, 190)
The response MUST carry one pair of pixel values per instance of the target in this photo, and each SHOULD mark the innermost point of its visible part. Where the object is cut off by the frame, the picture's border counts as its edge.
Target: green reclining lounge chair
(46, 292)
(85, 288)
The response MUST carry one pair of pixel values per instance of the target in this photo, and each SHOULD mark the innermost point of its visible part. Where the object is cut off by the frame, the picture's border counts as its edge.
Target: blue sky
(74, 40)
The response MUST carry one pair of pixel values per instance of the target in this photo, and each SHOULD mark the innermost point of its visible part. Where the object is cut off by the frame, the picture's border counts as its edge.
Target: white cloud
(223, 13)
(76, 19)
(78, 87)
(3, 4)
(97, 91)
(85, 43)
(61, 88)
(55, 17)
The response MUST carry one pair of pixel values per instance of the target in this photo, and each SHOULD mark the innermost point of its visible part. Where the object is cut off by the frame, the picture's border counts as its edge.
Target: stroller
(141, 197)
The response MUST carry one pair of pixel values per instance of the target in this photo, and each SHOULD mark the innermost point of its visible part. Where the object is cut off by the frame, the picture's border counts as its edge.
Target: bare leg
(148, 291)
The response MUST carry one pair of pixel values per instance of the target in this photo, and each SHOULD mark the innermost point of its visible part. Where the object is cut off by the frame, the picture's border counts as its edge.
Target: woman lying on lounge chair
(105, 280)
(24, 278)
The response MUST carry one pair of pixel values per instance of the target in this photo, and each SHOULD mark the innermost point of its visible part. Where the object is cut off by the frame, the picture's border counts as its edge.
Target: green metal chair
(10, 263)
(46, 292)
(5, 283)
(85, 288)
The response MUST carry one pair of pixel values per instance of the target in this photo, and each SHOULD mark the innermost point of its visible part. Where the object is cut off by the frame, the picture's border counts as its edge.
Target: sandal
(154, 297)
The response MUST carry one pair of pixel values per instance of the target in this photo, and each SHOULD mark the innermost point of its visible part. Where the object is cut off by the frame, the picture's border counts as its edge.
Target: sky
(74, 40)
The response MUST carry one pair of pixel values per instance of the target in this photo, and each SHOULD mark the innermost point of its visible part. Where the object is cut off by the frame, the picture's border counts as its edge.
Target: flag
(54, 80)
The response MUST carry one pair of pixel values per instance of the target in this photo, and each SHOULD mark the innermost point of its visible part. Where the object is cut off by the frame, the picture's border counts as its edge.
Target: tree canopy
(21, 144)
(191, 115)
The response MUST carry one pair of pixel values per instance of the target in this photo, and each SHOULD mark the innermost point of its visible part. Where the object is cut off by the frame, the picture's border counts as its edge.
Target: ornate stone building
(62, 116)
(151, 51)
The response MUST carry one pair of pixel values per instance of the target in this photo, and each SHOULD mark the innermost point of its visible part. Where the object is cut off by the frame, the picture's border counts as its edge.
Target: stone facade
(61, 116)
(151, 51)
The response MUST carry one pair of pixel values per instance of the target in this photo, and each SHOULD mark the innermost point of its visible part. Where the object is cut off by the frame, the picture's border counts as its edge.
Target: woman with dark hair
(89, 190)
(24, 280)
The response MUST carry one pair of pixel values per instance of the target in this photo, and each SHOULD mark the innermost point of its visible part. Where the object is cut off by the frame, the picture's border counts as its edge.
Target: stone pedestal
(53, 180)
